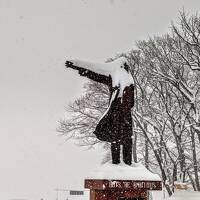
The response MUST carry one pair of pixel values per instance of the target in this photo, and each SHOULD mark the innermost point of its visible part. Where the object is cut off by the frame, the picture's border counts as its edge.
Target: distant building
(63, 194)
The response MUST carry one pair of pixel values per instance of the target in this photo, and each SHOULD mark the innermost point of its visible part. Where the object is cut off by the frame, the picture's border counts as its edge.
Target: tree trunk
(135, 147)
(195, 163)
(192, 181)
(164, 177)
(146, 156)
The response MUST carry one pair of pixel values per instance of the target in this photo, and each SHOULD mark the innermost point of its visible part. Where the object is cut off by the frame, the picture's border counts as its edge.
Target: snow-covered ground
(185, 195)
(178, 195)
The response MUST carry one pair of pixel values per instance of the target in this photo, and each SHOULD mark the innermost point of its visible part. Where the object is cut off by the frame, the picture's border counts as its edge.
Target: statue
(115, 126)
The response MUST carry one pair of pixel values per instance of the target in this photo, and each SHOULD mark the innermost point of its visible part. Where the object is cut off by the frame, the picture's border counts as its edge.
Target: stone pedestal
(120, 189)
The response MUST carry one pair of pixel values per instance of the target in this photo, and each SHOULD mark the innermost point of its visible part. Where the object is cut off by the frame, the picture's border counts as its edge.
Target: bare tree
(84, 114)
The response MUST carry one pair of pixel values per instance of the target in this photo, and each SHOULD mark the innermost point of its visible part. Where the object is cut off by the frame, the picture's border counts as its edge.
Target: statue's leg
(115, 151)
(127, 151)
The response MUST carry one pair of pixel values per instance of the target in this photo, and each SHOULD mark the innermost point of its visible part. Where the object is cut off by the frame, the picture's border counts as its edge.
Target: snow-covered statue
(115, 126)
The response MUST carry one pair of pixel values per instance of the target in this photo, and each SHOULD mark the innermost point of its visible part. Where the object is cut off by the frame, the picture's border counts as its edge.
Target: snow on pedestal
(122, 171)
(114, 182)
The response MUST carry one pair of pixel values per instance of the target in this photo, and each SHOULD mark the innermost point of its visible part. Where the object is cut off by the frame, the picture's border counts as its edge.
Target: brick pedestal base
(120, 189)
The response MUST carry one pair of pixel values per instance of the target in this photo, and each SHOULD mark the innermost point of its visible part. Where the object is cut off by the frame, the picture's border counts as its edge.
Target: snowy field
(185, 195)
(179, 195)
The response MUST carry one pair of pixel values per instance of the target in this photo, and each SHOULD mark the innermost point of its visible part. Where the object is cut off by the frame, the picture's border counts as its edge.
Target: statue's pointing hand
(68, 63)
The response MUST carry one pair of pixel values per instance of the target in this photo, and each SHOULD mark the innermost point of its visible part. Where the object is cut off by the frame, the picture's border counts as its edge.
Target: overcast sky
(36, 36)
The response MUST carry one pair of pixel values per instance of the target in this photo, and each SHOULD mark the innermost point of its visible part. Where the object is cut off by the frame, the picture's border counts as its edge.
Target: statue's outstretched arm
(89, 74)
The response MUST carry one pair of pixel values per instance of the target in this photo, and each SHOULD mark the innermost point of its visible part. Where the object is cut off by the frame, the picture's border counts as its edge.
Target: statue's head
(126, 67)
(122, 63)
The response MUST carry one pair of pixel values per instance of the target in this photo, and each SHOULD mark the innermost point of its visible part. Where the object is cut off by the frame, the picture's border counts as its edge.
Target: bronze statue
(115, 126)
